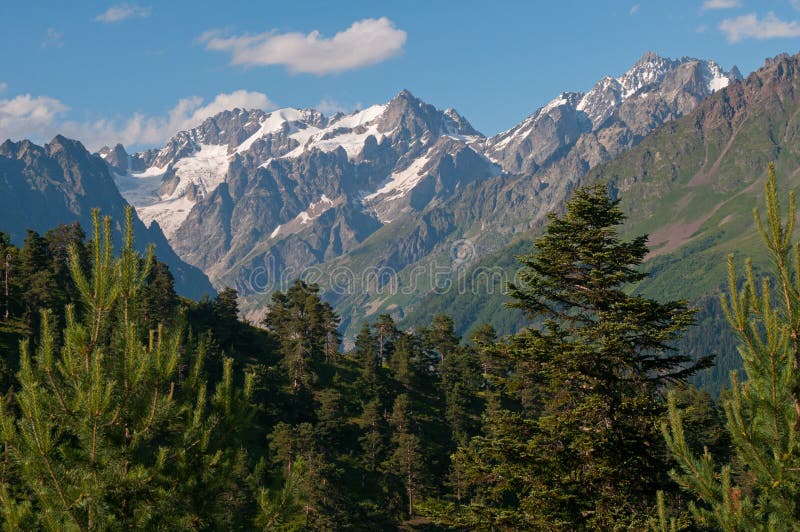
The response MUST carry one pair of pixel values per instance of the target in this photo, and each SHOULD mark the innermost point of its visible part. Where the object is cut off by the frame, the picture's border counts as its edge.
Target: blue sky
(136, 72)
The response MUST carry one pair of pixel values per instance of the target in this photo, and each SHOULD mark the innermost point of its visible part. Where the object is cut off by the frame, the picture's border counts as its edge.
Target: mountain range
(388, 206)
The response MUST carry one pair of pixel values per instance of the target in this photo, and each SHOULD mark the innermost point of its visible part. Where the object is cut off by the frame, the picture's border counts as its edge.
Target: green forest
(126, 406)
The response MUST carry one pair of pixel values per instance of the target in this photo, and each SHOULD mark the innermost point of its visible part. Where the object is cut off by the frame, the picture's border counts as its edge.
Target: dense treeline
(126, 406)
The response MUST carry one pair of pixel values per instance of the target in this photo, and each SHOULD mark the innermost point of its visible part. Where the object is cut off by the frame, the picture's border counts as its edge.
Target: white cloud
(29, 116)
(751, 27)
(364, 43)
(53, 39)
(40, 118)
(122, 12)
(634, 9)
(720, 4)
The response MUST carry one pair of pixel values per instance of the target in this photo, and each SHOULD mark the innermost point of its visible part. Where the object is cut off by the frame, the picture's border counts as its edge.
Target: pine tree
(373, 437)
(759, 489)
(402, 362)
(6, 259)
(461, 382)
(298, 444)
(440, 337)
(366, 354)
(104, 433)
(40, 287)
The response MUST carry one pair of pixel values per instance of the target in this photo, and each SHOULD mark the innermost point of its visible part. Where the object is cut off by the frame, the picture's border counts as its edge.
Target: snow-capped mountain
(246, 179)
(389, 185)
(674, 85)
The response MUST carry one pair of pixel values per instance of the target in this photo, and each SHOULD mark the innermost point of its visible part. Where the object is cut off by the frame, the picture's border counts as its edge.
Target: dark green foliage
(306, 327)
(576, 397)
(160, 300)
(549, 429)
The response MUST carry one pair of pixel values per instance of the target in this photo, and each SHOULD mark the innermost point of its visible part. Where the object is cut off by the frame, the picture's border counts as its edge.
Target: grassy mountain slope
(691, 185)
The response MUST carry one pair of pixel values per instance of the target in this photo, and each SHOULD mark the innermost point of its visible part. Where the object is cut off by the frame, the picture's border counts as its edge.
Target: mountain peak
(648, 57)
(404, 94)
(116, 157)
(62, 143)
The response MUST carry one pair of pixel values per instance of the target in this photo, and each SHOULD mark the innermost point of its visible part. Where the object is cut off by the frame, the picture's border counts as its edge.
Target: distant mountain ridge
(61, 182)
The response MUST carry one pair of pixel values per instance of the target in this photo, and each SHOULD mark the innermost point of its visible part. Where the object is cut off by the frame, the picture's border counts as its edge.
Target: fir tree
(160, 299)
(406, 461)
(570, 438)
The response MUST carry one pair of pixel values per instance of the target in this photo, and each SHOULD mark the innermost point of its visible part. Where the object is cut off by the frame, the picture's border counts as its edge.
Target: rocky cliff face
(245, 184)
(61, 182)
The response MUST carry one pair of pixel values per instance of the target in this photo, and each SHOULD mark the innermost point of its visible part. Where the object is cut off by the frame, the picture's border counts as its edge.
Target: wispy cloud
(53, 39)
(701, 28)
(3, 87)
(41, 117)
(751, 27)
(634, 9)
(365, 42)
(122, 12)
(720, 4)
(329, 106)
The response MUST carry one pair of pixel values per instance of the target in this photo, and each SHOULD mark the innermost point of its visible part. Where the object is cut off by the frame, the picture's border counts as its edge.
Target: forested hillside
(127, 406)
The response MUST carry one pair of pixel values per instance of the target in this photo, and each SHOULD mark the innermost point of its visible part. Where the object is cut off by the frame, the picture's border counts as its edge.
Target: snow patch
(350, 132)
(202, 172)
(555, 102)
(403, 181)
(359, 118)
(272, 123)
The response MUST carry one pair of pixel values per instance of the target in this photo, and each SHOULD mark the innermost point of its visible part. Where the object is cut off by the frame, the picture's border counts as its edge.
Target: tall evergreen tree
(306, 328)
(366, 353)
(160, 299)
(570, 440)
(386, 333)
(7, 252)
(406, 460)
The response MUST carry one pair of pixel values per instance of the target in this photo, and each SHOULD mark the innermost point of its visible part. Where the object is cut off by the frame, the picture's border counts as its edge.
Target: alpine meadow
(249, 280)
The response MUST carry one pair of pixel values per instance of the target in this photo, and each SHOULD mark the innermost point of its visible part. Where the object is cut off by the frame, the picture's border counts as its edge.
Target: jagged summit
(648, 57)
(677, 83)
(312, 151)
